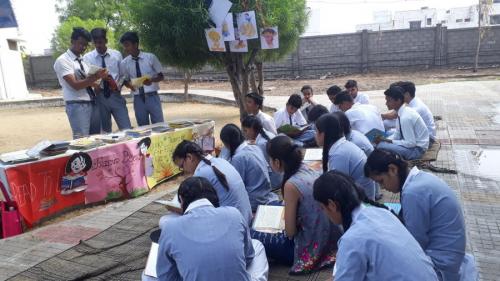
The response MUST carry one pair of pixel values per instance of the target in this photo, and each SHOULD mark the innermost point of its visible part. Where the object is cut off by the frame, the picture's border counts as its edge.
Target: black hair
(80, 32)
(185, 147)
(258, 99)
(295, 101)
(306, 87)
(345, 124)
(289, 154)
(129, 36)
(316, 112)
(395, 93)
(270, 30)
(378, 163)
(146, 141)
(232, 137)
(196, 188)
(351, 84)
(330, 126)
(408, 87)
(341, 188)
(343, 96)
(83, 156)
(98, 33)
(333, 90)
(251, 121)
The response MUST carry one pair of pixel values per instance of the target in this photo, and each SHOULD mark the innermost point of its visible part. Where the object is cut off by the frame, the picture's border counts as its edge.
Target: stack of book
(85, 143)
(55, 148)
(180, 124)
(138, 133)
(113, 138)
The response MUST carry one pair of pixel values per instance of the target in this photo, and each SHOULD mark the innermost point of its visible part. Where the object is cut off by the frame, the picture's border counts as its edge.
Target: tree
(484, 9)
(174, 30)
(62, 36)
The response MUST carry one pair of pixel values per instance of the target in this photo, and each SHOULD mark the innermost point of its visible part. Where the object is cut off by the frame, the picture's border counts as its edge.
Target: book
(161, 129)
(289, 129)
(172, 204)
(139, 82)
(93, 69)
(17, 157)
(313, 154)
(373, 134)
(269, 219)
(34, 152)
(55, 148)
(150, 269)
(137, 133)
(85, 143)
(113, 138)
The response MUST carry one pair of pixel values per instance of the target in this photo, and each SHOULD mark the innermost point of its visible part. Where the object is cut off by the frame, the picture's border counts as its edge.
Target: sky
(38, 18)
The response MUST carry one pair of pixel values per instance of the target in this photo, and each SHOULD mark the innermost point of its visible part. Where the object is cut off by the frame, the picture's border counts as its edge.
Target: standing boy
(77, 86)
(147, 104)
(109, 99)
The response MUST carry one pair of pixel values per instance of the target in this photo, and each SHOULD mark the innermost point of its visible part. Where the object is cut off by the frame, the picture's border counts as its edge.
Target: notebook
(373, 134)
(313, 154)
(172, 204)
(269, 219)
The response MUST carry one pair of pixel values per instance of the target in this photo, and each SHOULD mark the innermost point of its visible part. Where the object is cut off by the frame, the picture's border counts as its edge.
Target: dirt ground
(366, 82)
(23, 128)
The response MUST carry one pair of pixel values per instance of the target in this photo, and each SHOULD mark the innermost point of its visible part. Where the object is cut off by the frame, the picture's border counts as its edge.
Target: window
(12, 45)
(495, 19)
(467, 20)
(429, 21)
(460, 20)
(415, 24)
(496, 1)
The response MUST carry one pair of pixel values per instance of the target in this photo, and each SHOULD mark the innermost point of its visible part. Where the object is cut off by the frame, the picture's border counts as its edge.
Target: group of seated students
(331, 217)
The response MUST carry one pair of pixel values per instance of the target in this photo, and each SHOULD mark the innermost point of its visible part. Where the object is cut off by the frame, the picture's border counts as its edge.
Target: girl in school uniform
(340, 154)
(256, 134)
(250, 163)
(429, 209)
(375, 245)
(309, 241)
(191, 159)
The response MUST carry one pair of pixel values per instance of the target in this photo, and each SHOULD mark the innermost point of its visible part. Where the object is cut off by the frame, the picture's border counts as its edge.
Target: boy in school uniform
(363, 117)
(147, 104)
(291, 115)
(109, 100)
(332, 92)
(77, 86)
(254, 104)
(307, 102)
(352, 87)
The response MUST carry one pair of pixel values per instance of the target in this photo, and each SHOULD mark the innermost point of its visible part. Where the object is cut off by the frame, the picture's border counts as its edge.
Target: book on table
(137, 133)
(269, 219)
(374, 134)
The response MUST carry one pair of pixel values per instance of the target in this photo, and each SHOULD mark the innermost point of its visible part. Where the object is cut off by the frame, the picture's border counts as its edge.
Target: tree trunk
(253, 82)
(479, 35)
(187, 79)
(260, 75)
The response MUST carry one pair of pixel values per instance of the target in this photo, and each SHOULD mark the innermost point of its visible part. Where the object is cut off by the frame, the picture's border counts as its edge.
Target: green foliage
(62, 36)
(174, 29)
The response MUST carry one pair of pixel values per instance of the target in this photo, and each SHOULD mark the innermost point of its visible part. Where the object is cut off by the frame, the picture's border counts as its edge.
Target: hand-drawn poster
(215, 40)
(269, 38)
(238, 46)
(228, 28)
(247, 25)
(218, 10)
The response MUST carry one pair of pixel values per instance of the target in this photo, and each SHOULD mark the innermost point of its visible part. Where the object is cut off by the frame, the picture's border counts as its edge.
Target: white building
(12, 79)
(461, 17)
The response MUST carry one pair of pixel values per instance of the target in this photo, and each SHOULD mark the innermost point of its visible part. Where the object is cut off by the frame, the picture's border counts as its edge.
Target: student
(352, 87)
(147, 104)
(77, 86)
(340, 154)
(254, 103)
(255, 133)
(411, 137)
(191, 159)
(419, 106)
(250, 163)
(363, 117)
(314, 237)
(290, 115)
(354, 136)
(109, 99)
(316, 112)
(225, 250)
(429, 209)
(307, 103)
(375, 245)
(332, 92)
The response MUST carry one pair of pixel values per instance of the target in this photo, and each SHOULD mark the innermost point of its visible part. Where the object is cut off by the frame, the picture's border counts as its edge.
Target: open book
(270, 219)
(289, 129)
(93, 69)
(313, 154)
(373, 134)
(172, 204)
(139, 82)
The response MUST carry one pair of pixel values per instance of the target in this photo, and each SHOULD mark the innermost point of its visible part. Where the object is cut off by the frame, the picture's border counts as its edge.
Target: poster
(157, 162)
(215, 40)
(269, 38)
(203, 135)
(218, 10)
(228, 28)
(247, 25)
(238, 46)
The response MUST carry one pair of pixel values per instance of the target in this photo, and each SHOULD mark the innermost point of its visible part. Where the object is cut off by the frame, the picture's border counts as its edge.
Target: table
(51, 185)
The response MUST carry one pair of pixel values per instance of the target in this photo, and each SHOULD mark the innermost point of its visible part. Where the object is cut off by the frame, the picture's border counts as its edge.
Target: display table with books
(56, 176)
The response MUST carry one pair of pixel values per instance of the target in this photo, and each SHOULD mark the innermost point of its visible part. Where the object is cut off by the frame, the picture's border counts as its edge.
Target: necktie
(90, 91)
(105, 83)
(139, 74)
(400, 130)
(290, 118)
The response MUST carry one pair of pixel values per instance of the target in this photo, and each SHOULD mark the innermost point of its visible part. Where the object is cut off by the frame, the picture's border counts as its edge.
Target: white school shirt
(267, 122)
(414, 131)
(112, 58)
(362, 98)
(334, 108)
(424, 112)
(149, 64)
(67, 64)
(364, 118)
(281, 117)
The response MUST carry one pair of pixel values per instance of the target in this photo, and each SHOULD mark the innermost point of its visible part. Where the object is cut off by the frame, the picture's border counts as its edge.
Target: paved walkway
(471, 144)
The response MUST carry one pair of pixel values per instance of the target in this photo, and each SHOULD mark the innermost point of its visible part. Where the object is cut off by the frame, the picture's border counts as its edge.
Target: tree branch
(251, 60)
